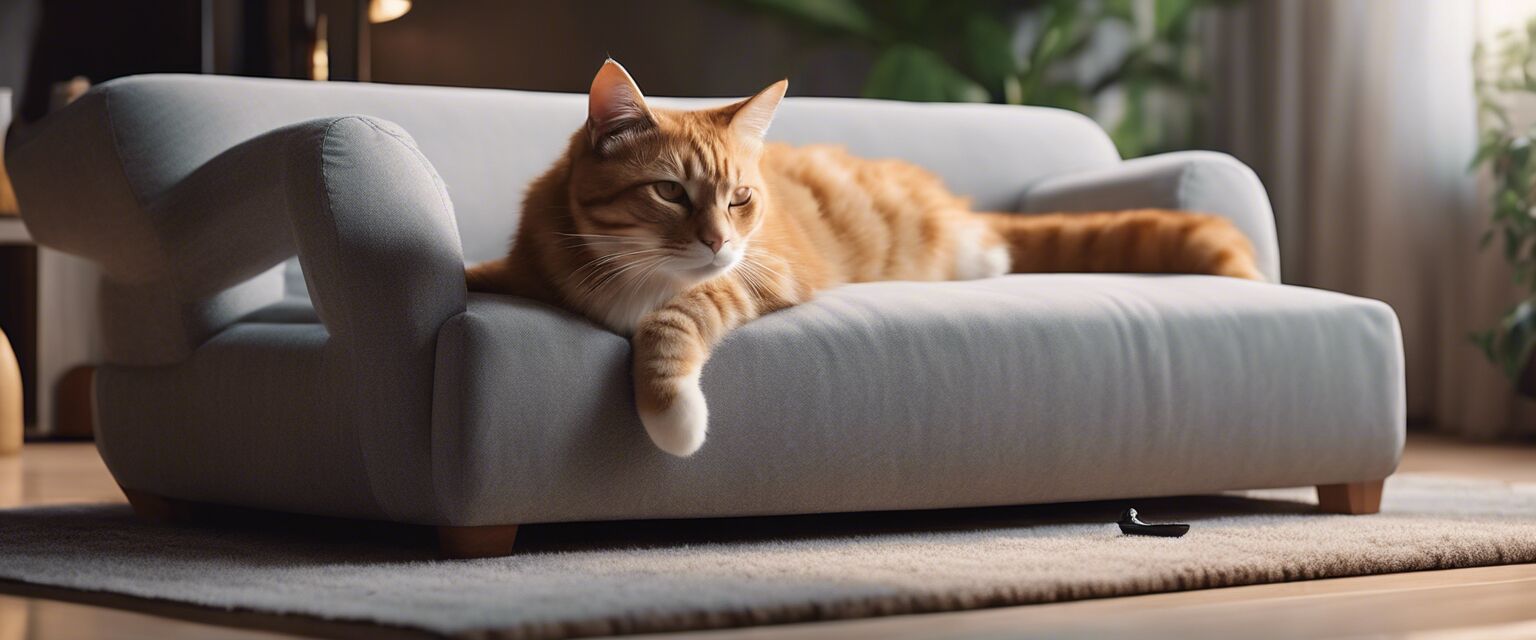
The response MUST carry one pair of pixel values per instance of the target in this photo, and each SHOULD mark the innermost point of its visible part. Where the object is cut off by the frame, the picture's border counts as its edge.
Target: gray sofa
(361, 380)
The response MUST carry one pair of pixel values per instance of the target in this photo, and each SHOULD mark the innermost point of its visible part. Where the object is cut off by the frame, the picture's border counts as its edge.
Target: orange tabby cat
(676, 226)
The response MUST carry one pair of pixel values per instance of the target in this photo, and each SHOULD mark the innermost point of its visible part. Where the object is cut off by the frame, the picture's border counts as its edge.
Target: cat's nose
(712, 240)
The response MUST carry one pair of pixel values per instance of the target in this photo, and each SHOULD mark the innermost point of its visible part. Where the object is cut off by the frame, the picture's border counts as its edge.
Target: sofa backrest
(488, 144)
(97, 178)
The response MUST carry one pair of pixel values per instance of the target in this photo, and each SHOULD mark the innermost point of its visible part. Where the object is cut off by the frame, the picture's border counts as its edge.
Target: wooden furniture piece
(55, 297)
(64, 336)
(476, 542)
(7, 192)
(12, 403)
(10, 399)
(155, 508)
(1355, 498)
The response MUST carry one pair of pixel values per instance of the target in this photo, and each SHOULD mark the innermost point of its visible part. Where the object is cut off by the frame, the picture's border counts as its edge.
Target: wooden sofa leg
(1355, 498)
(476, 542)
(148, 506)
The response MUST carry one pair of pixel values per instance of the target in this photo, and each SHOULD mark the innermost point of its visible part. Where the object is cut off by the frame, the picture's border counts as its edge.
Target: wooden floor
(1492, 602)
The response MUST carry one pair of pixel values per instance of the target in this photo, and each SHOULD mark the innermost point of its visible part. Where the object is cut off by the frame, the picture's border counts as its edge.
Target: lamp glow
(320, 56)
(386, 10)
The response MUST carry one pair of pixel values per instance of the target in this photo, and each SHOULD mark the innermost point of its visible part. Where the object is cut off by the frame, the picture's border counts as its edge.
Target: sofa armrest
(374, 230)
(351, 195)
(1202, 181)
(376, 235)
(367, 214)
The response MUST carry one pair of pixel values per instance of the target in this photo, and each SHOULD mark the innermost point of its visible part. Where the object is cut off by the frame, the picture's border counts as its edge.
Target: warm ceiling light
(386, 10)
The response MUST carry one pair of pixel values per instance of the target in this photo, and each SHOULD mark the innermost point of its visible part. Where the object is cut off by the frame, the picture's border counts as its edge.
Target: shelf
(12, 231)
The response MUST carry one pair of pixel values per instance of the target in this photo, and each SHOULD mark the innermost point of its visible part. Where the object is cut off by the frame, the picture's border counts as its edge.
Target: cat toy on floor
(1132, 526)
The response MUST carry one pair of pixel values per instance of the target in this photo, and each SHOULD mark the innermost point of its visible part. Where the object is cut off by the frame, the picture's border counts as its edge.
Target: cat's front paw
(677, 426)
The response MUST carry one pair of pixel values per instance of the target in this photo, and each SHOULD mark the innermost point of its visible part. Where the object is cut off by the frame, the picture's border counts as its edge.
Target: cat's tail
(487, 276)
(1136, 241)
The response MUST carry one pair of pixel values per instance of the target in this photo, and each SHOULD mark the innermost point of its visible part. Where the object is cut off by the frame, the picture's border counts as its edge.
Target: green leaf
(1511, 344)
(910, 72)
(989, 52)
(1120, 9)
(1170, 14)
(1485, 343)
(1491, 144)
(1055, 39)
(1517, 339)
(837, 16)
(913, 15)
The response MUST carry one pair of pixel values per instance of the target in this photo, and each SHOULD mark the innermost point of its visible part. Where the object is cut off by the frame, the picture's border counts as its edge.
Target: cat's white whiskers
(752, 278)
(603, 237)
(606, 244)
(749, 259)
(762, 276)
(612, 276)
(638, 281)
(595, 268)
(610, 257)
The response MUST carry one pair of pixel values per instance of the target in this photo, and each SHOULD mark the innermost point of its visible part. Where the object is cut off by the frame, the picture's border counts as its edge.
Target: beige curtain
(1359, 116)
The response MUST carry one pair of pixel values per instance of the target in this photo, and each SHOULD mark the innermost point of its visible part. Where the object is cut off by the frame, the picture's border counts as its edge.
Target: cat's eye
(741, 196)
(671, 191)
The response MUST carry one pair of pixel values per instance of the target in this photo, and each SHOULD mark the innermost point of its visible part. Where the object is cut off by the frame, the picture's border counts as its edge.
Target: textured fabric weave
(900, 395)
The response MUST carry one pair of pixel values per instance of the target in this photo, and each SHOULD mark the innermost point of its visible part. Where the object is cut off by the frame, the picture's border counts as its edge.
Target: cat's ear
(614, 105)
(754, 114)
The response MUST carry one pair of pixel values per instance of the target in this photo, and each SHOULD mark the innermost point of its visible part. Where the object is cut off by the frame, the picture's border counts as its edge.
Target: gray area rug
(611, 578)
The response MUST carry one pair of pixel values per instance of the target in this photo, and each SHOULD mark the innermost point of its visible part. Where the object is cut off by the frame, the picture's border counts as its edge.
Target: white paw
(679, 429)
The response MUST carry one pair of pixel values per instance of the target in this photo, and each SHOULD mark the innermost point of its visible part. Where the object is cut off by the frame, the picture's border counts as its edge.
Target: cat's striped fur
(676, 226)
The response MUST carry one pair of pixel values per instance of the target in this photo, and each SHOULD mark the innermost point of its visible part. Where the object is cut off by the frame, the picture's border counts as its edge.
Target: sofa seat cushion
(902, 395)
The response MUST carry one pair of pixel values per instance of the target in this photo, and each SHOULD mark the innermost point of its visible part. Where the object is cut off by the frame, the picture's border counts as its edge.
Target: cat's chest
(622, 312)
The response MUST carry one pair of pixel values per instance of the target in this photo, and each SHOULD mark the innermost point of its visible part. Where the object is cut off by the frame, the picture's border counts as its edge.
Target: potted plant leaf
(1141, 85)
(1506, 90)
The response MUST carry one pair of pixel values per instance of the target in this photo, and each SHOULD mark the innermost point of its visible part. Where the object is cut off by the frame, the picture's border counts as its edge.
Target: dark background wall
(672, 47)
(95, 39)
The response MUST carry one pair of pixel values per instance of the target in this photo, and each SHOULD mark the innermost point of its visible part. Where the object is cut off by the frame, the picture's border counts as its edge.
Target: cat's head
(675, 194)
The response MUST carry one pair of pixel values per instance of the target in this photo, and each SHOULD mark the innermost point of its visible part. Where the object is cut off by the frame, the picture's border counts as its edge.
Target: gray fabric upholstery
(877, 396)
(369, 384)
(897, 395)
(253, 418)
(374, 229)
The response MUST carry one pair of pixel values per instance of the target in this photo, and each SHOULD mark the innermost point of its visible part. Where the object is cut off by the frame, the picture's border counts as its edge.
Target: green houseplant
(1506, 87)
(1038, 52)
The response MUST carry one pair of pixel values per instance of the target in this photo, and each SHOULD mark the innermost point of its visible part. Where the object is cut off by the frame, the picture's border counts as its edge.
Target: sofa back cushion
(488, 144)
